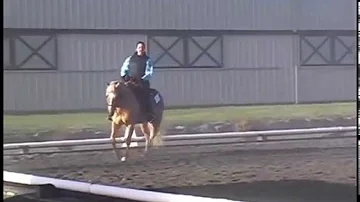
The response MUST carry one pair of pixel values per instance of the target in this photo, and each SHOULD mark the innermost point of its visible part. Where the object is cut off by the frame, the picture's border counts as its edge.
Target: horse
(125, 110)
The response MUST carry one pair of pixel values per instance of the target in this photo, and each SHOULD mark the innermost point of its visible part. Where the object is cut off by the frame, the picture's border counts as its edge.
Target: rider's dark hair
(140, 42)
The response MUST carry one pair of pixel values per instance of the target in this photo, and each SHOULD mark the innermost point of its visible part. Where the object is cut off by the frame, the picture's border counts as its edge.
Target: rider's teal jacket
(145, 66)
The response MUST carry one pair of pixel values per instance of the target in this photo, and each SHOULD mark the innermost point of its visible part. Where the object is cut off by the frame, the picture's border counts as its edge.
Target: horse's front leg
(114, 134)
(128, 134)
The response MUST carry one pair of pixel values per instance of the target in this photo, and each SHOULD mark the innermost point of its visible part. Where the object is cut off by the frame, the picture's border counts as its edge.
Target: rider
(139, 66)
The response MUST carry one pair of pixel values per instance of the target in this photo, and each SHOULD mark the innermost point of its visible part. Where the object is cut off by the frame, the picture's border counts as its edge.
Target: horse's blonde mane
(111, 86)
(114, 82)
(122, 88)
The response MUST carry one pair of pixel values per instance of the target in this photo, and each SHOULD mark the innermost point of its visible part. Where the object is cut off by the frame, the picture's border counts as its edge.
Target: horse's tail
(157, 127)
(157, 141)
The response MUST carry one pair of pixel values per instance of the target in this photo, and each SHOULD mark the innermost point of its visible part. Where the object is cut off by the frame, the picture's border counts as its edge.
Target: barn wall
(324, 84)
(326, 66)
(265, 67)
(276, 57)
(184, 14)
(257, 69)
(84, 64)
(325, 14)
(88, 52)
(37, 91)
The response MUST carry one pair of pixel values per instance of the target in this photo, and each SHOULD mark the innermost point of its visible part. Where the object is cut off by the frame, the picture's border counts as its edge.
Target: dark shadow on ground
(274, 191)
(265, 191)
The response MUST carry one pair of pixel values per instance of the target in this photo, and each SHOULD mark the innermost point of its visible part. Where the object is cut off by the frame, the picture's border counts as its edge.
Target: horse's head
(112, 94)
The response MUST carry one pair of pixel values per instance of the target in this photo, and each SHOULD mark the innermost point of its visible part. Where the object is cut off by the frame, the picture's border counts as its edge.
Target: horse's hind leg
(128, 134)
(114, 134)
(145, 129)
(154, 131)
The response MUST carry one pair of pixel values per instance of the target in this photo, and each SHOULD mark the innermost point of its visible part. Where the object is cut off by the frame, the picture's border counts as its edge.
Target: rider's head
(140, 48)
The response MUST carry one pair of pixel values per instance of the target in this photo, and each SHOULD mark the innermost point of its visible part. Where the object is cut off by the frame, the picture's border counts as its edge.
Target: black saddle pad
(154, 97)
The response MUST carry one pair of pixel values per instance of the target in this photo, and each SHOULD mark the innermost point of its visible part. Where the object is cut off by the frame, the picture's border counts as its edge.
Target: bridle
(115, 98)
(112, 104)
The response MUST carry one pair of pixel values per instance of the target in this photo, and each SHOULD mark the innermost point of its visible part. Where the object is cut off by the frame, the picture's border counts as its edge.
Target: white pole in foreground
(118, 192)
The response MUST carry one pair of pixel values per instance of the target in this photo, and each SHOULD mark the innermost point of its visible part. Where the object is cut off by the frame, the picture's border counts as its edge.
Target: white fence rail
(110, 191)
(185, 140)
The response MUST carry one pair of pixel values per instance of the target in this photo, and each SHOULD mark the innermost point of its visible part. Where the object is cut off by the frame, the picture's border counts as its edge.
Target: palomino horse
(126, 110)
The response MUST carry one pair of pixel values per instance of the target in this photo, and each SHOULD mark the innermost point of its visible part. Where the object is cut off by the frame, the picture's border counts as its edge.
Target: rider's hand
(126, 78)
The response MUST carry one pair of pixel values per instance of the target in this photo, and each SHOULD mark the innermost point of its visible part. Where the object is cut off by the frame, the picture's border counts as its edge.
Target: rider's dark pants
(145, 84)
(145, 96)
